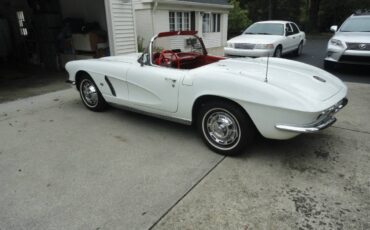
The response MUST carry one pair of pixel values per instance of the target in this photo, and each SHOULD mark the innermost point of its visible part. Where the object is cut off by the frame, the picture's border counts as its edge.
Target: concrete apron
(318, 181)
(64, 167)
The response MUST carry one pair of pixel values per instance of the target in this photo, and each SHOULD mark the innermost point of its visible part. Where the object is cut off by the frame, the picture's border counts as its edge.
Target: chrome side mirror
(143, 59)
(334, 29)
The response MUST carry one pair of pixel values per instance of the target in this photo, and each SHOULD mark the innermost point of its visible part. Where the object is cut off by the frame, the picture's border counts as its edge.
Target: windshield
(181, 43)
(265, 28)
(356, 25)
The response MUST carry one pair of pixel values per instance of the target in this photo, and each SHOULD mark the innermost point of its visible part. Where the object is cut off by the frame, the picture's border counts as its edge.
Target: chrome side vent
(110, 86)
(319, 79)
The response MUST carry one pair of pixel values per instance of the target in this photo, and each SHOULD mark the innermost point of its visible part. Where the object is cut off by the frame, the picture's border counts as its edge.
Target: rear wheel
(299, 50)
(90, 94)
(225, 127)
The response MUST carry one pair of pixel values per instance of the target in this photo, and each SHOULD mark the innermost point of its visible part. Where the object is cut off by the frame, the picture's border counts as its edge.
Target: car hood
(302, 80)
(255, 39)
(355, 37)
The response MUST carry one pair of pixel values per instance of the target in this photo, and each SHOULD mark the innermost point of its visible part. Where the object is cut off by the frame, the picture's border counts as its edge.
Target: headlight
(264, 46)
(336, 42)
(230, 45)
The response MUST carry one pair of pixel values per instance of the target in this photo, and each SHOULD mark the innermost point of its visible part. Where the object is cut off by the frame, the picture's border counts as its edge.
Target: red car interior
(183, 60)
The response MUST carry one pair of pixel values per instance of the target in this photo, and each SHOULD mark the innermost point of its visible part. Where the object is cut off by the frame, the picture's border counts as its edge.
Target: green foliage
(280, 9)
(312, 15)
(335, 12)
(140, 44)
(238, 18)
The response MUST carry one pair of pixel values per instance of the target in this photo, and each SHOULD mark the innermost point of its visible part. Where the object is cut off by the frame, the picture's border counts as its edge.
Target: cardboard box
(86, 42)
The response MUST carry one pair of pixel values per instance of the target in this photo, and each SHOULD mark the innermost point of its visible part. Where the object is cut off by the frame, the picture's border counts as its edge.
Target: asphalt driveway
(64, 167)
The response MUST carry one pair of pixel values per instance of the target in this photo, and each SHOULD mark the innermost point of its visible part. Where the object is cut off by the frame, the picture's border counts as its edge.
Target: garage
(39, 36)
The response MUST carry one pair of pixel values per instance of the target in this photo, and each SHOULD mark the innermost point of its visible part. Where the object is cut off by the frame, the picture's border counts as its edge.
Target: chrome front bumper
(248, 53)
(325, 120)
(348, 56)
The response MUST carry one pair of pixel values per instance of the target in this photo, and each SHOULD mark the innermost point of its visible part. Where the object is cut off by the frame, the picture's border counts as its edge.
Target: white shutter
(121, 26)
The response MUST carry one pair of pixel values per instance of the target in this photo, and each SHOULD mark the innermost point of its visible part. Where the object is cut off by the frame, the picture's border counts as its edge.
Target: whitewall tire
(225, 127)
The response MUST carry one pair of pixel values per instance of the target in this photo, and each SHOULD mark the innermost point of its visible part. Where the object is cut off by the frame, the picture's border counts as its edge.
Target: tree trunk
(313, 14)
(270, 10)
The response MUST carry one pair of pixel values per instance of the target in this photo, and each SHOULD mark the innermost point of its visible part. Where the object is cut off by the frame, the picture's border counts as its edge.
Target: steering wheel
(162, 59)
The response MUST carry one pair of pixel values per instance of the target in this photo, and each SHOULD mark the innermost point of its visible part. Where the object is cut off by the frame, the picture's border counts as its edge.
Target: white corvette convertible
(229, 100)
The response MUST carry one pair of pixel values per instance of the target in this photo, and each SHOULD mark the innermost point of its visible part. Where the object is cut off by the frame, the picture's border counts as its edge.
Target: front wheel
(278, 52)
(225, 127)
(90, 94)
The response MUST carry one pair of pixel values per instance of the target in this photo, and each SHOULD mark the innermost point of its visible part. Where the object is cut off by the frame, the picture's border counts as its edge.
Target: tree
(313, 14)
(238, 18)
(260, 10)
(334, 13)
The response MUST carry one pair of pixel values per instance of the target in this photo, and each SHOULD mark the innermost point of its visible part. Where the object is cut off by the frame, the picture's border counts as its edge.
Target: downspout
(155, 5)
(153, 17)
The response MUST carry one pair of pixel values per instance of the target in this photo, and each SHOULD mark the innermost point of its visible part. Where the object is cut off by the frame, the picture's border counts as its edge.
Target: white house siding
(219, 39)
(157, 16)
(161, 23)
(144, 28)
(177, 43)
(121, 24)
(224, 28)
(212, 40)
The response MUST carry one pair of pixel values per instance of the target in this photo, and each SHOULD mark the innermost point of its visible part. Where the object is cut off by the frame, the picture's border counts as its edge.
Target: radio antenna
(267, 68)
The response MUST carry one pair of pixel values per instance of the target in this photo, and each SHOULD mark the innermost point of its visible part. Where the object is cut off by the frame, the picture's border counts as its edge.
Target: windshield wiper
(249, 33)
(264, 33)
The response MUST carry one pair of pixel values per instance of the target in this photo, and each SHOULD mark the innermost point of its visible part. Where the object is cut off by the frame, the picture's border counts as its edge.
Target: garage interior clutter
(48, 33)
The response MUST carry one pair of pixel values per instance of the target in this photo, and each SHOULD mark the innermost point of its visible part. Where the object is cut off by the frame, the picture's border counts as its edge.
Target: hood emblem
(319, 78)
(362, 46)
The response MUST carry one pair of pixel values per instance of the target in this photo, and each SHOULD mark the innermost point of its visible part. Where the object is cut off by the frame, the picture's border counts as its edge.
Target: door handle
(173, 81)
(170, 79)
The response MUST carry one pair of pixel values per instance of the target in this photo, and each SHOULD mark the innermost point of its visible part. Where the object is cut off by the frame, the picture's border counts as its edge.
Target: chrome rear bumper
(325, 120)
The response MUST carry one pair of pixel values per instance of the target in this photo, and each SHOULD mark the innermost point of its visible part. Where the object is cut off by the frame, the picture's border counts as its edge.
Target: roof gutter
(187, 3)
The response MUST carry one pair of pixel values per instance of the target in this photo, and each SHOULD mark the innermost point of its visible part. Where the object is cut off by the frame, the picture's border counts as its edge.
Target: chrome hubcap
(89, 93)
(222, 128)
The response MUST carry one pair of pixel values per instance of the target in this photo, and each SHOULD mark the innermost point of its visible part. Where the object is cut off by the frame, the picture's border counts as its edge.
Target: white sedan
(228, 100)
(267, 38)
